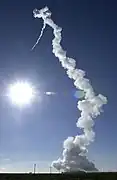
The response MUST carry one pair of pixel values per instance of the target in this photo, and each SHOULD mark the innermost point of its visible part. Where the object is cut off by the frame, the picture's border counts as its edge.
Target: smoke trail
(75, 148)
(44, 25)
(46, 13)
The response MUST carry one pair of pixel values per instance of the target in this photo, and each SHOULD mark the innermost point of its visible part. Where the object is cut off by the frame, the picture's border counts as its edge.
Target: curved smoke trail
(44, 25)
(75, 148)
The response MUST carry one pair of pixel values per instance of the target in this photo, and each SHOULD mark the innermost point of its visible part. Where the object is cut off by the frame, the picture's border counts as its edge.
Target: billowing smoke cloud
(75, 148)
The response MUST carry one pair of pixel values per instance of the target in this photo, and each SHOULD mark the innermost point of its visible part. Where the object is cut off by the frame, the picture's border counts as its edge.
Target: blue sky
(36, 134)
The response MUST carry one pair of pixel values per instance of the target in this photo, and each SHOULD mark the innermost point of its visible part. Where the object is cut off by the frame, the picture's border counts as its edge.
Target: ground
(66, 176)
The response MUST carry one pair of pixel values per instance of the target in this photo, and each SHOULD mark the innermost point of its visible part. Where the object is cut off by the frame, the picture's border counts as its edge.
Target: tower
(34, 168)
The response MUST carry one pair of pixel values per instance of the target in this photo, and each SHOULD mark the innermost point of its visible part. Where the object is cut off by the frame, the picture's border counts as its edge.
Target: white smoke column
(75, 148)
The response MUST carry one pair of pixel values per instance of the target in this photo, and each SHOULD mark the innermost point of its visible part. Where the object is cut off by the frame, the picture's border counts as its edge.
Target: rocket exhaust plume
(74, 148)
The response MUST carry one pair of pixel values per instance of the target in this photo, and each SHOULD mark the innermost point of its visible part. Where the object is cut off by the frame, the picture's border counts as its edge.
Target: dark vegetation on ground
(66, 176)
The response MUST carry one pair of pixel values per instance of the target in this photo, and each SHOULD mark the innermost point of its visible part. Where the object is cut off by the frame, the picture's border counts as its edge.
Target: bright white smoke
(75, 148)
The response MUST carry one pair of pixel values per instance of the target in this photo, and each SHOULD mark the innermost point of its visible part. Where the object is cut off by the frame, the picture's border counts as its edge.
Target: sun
(21, 93)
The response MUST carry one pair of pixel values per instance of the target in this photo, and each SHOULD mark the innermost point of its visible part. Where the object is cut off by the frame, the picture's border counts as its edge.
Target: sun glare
(21, 93)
